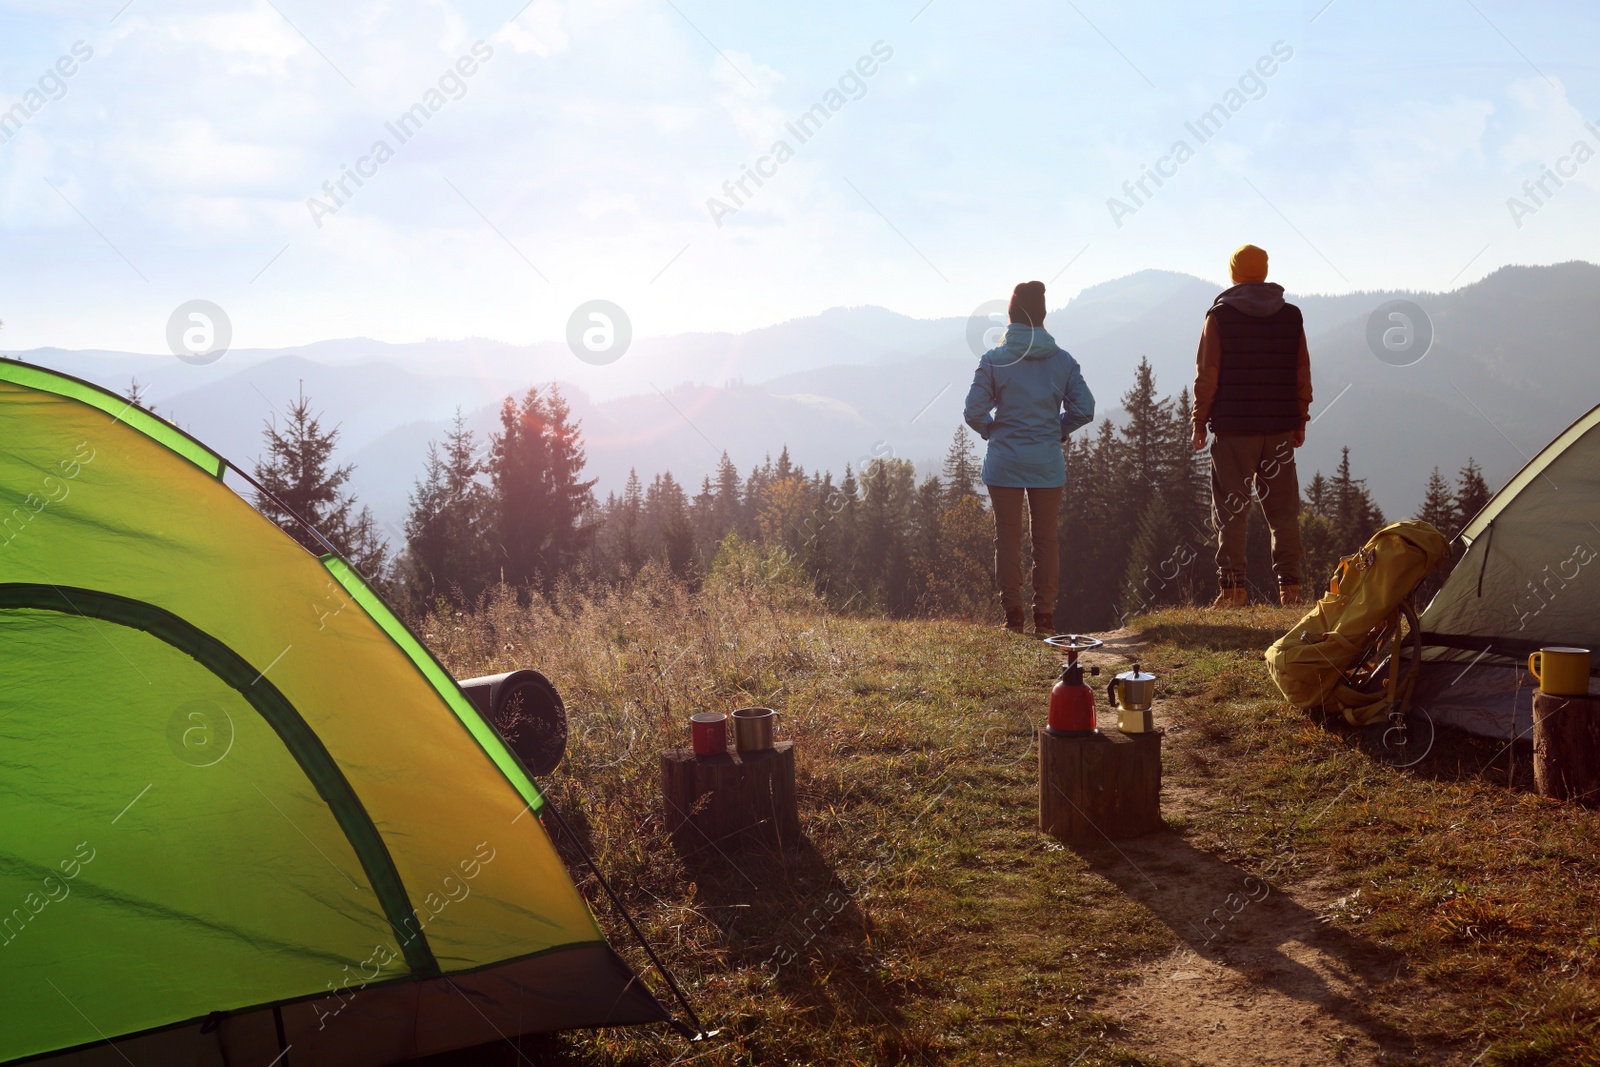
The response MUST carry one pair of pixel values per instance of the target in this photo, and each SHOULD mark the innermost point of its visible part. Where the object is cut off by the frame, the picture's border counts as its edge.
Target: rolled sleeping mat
(527, 711)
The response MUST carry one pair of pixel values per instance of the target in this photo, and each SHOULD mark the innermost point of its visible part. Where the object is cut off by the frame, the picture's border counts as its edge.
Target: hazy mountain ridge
(1513, 362)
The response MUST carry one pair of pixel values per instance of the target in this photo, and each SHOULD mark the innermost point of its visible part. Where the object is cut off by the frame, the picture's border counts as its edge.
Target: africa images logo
(1399, 332)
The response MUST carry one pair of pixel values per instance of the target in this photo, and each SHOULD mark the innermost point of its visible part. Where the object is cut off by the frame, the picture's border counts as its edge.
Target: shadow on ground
(1215, 636)
(783, 914)
(787, 915)
(1269, 943)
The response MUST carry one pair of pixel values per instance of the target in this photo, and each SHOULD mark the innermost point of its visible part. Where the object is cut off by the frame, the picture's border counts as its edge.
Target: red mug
(708, 733)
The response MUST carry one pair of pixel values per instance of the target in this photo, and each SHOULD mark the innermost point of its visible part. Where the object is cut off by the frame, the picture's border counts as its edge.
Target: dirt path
(1261, 978)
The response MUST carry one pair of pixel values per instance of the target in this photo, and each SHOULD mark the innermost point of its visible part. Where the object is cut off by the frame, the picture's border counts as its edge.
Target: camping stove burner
(1072, 644)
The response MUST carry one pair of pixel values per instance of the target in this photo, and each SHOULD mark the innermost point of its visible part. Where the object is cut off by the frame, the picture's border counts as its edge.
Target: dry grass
(929, 922)
(1487, 890)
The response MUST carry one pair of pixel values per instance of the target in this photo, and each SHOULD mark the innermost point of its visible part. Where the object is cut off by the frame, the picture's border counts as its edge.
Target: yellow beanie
(1249, 264)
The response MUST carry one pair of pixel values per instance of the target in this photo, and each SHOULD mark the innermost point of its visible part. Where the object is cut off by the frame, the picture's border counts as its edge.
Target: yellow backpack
(1336, 650)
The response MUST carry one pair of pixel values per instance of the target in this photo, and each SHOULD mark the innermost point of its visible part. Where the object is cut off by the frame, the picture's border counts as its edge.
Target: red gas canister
(1072, 702)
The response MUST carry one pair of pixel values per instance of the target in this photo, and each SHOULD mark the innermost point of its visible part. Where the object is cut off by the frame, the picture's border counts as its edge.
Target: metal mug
(1561, 671)
(708, 733)
(753, 729)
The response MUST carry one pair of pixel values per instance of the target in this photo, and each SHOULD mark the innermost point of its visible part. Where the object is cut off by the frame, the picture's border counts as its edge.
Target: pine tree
(448, 528)
(136, 395)
(784, 509)
(883, 560)
(962, 472)
(1168, 560)
(700, 518)
(1072, 533)
(628, 520)
(1189, 491)
(1319, 548)
(842, 588)
(926, 550)
(1094, 533)
(1337, 518)
(1354, 515)
(1319, 496)
(750, 511)
(821, 544)
(728, 505)
(1438, 507)
(1147, 435)
(305, 492)
(1154, 554)
(535, 465)
(670, 531)
(960, 582)
(1472, 493)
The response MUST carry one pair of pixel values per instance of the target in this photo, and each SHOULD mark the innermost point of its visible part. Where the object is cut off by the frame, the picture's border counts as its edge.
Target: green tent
(242, 808)
(1527, 577)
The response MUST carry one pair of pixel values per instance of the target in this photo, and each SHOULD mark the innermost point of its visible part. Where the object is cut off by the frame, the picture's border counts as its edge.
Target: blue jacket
(1038, 397)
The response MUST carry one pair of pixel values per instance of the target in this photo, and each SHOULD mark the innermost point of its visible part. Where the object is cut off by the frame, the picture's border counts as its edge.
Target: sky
(564, 152)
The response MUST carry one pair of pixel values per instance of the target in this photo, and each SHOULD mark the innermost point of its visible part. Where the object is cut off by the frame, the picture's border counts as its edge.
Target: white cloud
(538, 30)
(749, 102)
(1416, 139)
(256, 41)
(1549, 127)
(191, 153)
(599, 202)
(672, 118)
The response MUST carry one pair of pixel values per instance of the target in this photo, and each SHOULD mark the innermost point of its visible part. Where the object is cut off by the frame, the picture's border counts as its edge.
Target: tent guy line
(527, 950)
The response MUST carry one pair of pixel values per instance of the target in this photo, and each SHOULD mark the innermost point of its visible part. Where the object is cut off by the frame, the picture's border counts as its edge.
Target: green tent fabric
(1528, 576)
(242, 808)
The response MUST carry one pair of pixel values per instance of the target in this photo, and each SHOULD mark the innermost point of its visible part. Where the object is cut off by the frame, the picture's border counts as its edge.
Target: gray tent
(1529, 576)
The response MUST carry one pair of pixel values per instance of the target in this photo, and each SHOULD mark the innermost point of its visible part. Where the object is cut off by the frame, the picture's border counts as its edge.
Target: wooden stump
(731, 800)
(1099, 786)
(1566, 748)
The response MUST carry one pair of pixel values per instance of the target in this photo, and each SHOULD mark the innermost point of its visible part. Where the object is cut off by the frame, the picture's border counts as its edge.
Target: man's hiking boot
(1288, 594)
(1231, 596)
(1016, 621)
(1044, 624)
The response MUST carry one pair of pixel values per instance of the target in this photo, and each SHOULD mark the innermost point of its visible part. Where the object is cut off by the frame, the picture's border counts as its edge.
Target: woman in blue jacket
(1027, 397)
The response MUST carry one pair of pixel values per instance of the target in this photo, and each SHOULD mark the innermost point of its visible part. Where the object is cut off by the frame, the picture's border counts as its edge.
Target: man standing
(1253, 387)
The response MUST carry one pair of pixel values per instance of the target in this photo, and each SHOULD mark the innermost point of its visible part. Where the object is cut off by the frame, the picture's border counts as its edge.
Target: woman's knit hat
(1027, 304)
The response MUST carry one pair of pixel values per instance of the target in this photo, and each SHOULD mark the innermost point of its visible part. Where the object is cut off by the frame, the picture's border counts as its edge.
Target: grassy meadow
(924, 919)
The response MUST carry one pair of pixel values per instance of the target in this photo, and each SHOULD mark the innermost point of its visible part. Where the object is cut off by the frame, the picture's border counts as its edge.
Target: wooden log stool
(730, 800)
(1101, 785)
(1566, 747)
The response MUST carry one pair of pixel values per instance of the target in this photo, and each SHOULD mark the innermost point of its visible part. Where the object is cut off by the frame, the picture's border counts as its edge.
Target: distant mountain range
(1513, 361)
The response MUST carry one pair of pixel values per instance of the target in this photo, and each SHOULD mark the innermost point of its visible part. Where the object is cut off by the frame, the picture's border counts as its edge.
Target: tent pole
(1484, 564)
(699, 1027)
(287, 510)
(283, 1044)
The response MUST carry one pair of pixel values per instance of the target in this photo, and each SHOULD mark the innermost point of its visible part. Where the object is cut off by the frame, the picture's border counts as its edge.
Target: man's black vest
(1258, 383)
